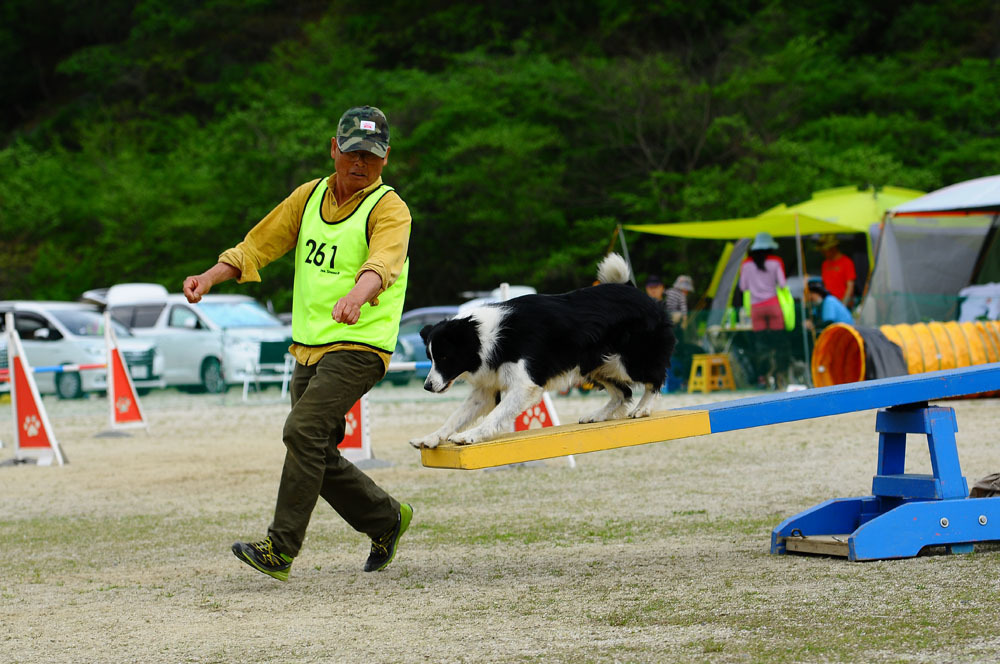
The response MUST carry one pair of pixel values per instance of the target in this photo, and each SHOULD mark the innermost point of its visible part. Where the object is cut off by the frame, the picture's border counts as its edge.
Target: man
(654, 288)
(676, 299)
(350, 233)
(837, 270)
(675, 302)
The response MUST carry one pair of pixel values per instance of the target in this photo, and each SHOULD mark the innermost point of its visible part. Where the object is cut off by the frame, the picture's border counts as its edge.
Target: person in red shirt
(837, 271)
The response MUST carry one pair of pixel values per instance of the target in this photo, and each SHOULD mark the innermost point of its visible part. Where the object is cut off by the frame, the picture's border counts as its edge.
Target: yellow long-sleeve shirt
(278, 232)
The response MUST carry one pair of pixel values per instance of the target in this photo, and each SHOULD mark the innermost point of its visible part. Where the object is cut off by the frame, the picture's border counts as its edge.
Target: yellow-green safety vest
(328, 256)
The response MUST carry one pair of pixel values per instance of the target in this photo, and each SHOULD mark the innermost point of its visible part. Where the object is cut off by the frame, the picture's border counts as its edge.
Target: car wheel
(69, 385)
(211, 376)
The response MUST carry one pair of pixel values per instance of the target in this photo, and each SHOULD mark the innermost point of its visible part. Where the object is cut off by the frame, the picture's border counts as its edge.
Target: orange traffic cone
(357, 443)
(126, 411)
(541, 415)
(34, 439)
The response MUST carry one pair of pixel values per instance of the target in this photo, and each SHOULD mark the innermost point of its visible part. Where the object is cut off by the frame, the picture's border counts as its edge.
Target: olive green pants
(322, 394)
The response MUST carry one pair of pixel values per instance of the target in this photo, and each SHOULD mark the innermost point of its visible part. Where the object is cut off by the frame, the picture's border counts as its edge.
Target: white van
(209, 345)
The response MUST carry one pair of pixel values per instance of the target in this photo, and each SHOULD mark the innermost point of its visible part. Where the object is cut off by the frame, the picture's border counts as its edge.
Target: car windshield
(84, 323)
(238, 314)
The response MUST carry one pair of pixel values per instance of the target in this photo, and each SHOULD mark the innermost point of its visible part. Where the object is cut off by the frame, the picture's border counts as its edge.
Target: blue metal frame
(906, 512)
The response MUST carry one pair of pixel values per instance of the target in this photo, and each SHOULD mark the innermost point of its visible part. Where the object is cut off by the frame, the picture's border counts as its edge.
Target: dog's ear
(424, 333)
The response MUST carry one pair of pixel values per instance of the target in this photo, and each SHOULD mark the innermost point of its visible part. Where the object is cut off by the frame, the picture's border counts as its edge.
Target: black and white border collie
(612, 334)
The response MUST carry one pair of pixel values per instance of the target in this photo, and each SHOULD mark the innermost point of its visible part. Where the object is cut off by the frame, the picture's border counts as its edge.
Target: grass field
(656, 553)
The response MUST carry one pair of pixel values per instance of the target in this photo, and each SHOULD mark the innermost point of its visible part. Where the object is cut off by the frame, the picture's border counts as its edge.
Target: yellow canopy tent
(784, 223)
(780, 223)
(838, 210)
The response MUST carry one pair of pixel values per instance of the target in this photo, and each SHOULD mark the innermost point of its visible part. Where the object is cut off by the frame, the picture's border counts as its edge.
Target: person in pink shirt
(761, 275)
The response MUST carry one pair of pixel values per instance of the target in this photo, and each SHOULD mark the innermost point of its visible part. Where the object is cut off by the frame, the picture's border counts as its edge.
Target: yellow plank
(568, 439)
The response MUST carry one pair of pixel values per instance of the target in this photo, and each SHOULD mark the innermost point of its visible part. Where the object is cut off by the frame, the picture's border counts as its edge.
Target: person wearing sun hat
(761, 274)
(350, 235)
(837, 271)
(676, 299)
(675, 303)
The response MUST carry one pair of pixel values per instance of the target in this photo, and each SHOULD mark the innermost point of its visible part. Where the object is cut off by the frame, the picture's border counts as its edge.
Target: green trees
(143, 144)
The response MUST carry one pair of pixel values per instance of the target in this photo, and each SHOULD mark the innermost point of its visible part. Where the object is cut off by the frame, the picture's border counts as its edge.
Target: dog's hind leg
(645, 405)
(475, 405)
(616, 406)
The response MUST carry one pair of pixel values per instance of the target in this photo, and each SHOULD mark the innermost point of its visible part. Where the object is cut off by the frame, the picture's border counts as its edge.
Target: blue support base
(906, 512)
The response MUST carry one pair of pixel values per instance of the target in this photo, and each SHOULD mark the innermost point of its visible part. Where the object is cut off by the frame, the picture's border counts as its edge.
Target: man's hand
(347, 310)
(196, 286)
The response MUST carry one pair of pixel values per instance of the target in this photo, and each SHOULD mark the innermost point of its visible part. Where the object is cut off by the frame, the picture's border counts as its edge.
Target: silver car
(206, 346)
(56, 334)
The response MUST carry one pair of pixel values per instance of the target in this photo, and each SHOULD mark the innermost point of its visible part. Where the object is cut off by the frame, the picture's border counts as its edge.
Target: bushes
(517, 145)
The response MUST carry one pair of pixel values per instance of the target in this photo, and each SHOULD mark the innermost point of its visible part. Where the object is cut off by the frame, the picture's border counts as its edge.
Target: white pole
(802, 300)
(621, 236)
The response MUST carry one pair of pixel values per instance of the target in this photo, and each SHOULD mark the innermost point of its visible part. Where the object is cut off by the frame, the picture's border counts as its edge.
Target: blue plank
(839, 399)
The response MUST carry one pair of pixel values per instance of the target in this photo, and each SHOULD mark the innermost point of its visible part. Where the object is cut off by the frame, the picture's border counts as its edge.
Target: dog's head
(454, 348)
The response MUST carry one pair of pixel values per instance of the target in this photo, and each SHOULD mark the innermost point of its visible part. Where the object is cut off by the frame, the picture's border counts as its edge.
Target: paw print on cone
(539, 416)
(350, 424)
(355, 429)
(32, 425)
(535, 417)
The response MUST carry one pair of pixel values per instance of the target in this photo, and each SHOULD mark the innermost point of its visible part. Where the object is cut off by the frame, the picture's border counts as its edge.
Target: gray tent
(929, 249)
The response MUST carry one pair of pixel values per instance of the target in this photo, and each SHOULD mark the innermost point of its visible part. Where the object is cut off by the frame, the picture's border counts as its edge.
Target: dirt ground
(648, 554)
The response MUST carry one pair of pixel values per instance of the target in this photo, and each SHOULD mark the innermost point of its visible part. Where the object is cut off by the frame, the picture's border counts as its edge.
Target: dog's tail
(613, 270)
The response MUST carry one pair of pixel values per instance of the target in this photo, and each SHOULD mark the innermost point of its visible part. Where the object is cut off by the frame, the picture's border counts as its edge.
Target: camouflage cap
(363, 128)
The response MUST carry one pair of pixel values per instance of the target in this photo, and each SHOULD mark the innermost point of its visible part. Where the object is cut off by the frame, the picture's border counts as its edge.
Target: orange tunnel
(839, 356)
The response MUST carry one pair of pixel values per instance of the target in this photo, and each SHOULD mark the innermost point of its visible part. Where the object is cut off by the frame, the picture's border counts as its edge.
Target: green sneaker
(262, 557)
(384, 546)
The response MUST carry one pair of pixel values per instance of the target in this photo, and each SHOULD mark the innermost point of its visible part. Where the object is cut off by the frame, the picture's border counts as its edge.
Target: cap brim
(377, 148)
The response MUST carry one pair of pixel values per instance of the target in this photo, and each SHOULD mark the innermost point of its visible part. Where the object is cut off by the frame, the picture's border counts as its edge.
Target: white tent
(968, 196)
(930, 249)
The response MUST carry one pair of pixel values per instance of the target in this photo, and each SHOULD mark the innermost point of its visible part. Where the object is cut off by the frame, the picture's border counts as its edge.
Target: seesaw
(905, 513)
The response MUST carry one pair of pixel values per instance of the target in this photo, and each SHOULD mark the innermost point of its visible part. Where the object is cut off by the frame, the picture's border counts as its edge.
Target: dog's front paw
(429, 442)
(463, 438)
(476, 435)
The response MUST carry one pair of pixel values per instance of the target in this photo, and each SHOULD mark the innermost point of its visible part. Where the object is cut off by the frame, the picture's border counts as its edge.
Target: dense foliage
(142, 137)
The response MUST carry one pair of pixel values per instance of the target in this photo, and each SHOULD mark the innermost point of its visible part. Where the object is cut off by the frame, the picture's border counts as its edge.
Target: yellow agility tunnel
(840, 354)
